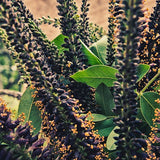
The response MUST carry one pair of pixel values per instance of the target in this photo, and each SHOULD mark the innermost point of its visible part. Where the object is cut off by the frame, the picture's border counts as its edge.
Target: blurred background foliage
(10, 89)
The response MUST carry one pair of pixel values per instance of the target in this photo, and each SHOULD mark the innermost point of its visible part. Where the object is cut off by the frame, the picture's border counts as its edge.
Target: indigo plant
(88, 93)
(149, 48)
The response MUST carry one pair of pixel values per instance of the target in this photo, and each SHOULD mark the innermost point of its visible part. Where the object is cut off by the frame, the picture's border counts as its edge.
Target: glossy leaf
(95, 75)
(91, 57)
(99, 49)
(31, 111)
(96, 117)
(104, 99)
(104, 127)
(58, 41)
(142, 69)
(148, 105)
(111, 141)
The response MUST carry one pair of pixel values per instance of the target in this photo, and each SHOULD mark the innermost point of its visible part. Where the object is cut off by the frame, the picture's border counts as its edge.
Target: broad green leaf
(95, 75)
(96, 117)
(31, 111)
(58, 41)
(104, 99)
(91, 57)
(104, 127)
(148, 105)
(12, 103)
(99, 49)
(142, 69)
(111, 141)
(139, 115)
(112, 155)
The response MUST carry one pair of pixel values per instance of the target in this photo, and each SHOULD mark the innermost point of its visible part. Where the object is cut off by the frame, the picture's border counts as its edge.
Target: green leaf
(12, 103)
(148, 105)
(92, 58)
(104, 127)
(112, 155)
(31, 111)
(105, 99)
(99, 49)
(58, 41)
(142, 69)
(111, 141)
(95, 75)
(96, 117)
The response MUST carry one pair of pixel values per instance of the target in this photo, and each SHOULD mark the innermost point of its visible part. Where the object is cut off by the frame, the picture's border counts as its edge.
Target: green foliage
(157, 88)
(105, 127)
(31, 112)
(99, 49)
(102, 94)
(91, 57)
(111, 141)
(12, 103)
(148, 105)
(95, 75)
(96, 117)
(9, 75)
(57, 70)
(58, 41)
(142, 70)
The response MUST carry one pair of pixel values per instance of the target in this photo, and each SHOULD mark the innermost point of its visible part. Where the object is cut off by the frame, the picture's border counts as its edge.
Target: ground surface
(98, 12)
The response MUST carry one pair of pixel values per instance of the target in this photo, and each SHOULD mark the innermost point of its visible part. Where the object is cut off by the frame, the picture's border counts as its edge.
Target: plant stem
(14, 94)
(150, 82)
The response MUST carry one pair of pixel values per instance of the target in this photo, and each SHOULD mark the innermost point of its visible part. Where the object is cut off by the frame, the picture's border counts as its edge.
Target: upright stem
(150, 82)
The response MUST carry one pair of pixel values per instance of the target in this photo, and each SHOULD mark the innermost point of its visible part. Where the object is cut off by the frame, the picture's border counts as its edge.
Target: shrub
(90, 95)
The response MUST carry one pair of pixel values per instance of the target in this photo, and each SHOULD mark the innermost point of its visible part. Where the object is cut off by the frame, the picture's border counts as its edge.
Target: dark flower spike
(95, 32)
(153, 148)
(130, 145)
(49, 49)
(74, 58)
(111, 32)
(84, 23)
(61, 116)
(17, 141)
(149, 50)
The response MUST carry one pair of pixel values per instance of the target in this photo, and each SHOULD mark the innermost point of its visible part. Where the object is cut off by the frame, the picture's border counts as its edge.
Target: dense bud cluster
(71, 135)
(74, 58)
(95, 32)
(69, 132)
(18, 141)
(84, 23)
(129, 142)
(149, 50)
(111, 32)
(153, 148)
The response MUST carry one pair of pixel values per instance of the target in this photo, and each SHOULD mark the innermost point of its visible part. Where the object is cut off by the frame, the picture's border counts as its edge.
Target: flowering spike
(128, 143)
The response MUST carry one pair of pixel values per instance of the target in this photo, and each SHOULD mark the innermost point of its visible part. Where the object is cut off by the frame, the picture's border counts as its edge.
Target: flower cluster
(84, 23)
(17, 141)
(153, 148)
(149, 50)
(71, 135)
(74, 58)
(95, 32)
(111, 30)
(129, 141)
